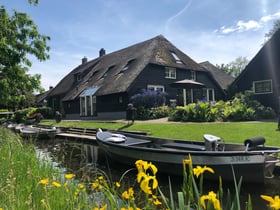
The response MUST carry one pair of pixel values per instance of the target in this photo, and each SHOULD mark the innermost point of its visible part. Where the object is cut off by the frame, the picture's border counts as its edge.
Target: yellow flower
(100, 177)
(44, 181)
(187, 161)
(274, 203)
(141, 175)
(128, 193)
(69, 176)
(81, 186)
(94, 185)
(153, 168)
(144, 185)
(56, 184)
(156, 200)
(199, 170)
(103, 207)
(212, 198)
(118, 185)
(125, 195)
(143, 166)
(43, 201)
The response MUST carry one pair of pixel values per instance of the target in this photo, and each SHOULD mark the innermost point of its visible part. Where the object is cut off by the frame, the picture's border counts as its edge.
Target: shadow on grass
(125, 126)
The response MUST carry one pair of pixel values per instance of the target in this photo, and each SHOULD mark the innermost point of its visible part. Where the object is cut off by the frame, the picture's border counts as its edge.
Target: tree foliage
(235, 67)
(19, 41)
(276, 27)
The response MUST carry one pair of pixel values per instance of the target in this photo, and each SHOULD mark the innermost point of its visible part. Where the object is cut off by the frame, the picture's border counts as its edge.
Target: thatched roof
(116, 71)
(222, 78)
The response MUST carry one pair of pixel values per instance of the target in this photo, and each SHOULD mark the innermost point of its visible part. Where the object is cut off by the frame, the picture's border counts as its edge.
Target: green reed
(27, 182)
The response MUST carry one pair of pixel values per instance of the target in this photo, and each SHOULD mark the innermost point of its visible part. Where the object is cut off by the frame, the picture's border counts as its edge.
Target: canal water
(85, 160)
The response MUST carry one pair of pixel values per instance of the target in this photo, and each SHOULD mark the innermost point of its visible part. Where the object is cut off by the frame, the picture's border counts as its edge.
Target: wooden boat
(32, 131)
(252, 160)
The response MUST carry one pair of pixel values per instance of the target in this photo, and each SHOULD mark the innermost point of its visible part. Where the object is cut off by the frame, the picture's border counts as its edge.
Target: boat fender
(118, 135)
(117, 138)
(252, 142)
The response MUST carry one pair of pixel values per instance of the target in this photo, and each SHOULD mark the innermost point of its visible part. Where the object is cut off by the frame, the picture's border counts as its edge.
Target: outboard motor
(253, 142)
(211, 142)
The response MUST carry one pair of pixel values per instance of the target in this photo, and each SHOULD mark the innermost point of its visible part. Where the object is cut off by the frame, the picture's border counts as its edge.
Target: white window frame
(170, 73)
(207, 92)
(176, 58)
(256, 83)
(156, 88)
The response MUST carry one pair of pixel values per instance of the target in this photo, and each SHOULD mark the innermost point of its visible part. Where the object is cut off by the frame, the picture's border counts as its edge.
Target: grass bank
(20, 172)
(235, 132)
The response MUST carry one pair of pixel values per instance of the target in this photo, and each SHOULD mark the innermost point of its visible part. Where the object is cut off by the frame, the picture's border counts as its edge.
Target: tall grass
(29, 183)
(20, 171)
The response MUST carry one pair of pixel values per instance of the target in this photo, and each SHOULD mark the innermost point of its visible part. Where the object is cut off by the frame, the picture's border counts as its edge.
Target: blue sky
(215, 30)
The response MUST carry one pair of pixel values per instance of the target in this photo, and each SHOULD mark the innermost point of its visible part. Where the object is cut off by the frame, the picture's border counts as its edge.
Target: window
(208, 94)
(78, 77)
(193, 75)
(106, 72)
(176, 58)
(262, 86)
(127, 65)
(170, 73)
(88, 101)
(159, 88)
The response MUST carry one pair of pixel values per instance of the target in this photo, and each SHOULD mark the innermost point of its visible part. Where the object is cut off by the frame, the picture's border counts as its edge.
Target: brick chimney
(102, 52)
(84, 60)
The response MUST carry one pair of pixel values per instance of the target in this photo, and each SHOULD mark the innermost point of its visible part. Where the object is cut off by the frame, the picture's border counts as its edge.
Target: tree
(19, 40)
(235, 67)
(276, 27)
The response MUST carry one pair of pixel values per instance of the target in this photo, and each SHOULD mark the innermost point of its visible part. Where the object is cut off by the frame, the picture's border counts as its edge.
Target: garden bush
(20, 116)
(148, 99)
(241, 108)
(199, 112)
(152, 113)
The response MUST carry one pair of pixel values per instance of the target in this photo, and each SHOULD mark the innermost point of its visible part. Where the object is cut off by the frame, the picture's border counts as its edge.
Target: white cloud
(250, 25)
(245, 26)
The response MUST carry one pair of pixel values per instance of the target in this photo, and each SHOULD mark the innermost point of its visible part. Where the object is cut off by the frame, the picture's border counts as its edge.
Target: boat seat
(134, 141)
(184, 146)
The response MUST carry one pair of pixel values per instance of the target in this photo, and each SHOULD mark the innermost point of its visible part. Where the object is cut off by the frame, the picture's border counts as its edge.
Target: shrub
(47, 112)
(20, 116)
(200, 112)
(152, 113)
(149, 99)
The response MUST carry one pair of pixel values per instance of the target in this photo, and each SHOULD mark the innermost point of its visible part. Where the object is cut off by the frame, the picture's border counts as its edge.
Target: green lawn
(231, 132)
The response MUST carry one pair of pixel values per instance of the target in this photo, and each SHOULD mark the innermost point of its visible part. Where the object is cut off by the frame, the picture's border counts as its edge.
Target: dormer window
(176, 58)
(170, 73)
(93, 75)
(127, 66)
(108, 70)
(78, 77)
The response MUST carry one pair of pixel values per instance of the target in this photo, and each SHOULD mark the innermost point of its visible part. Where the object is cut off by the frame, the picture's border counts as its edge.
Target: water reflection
(86, 160)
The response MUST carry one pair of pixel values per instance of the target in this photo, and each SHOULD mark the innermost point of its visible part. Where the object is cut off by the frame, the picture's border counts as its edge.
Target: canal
(85, 160)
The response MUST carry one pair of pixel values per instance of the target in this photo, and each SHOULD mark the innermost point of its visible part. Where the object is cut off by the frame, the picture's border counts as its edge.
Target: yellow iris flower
(44, 181)
(200, 170)
(118, 185)
(212, 197)
(274, 203)
(69, 176)
(128, 194)
(56, 184)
